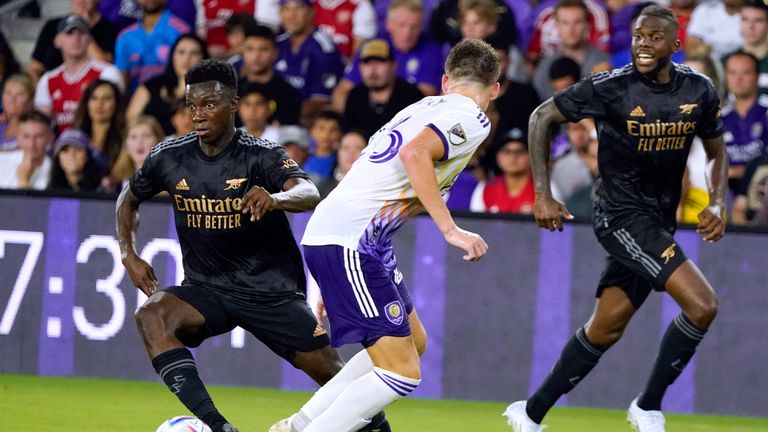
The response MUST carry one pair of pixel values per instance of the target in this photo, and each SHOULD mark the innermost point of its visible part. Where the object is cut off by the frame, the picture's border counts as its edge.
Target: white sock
(359, 365)
(361, 400)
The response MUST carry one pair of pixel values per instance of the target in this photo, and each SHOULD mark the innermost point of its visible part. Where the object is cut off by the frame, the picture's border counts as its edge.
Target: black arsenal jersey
(222, 248)
(645, 131)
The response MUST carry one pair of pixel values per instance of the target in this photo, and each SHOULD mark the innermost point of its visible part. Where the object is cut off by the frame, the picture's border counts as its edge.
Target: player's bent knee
(704, 313)
(150, 319)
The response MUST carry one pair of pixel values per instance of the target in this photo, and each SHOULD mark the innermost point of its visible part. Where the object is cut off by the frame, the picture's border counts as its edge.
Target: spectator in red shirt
(511, 190)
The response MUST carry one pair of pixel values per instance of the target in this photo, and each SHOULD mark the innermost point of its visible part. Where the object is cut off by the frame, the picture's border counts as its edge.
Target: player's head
(654, 39)
(473, 63)
(211, 98)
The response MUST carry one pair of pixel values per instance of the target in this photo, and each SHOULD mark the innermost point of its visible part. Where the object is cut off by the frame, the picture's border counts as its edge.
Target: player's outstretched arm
(711, 224)
(547, 210)
(418, 157)
(127, 215)
(298, 195)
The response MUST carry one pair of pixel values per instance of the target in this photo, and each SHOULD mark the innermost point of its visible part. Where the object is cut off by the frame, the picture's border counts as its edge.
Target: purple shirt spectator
(125, 12)
(423, 64)
(460, 195)
(746, 138)
(315, 69)
(7, 143)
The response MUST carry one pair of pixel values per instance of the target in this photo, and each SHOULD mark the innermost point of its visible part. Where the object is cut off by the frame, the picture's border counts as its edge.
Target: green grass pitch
(35, 404)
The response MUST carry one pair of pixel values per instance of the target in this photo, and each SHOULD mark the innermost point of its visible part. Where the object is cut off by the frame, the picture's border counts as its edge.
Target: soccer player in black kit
(229, 191)
(647, 114)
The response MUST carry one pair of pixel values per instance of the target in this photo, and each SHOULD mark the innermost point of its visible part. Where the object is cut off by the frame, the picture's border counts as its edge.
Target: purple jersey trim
(442, 137)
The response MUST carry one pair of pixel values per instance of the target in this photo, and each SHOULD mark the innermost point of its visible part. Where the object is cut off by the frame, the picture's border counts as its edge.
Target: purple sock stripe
(681, 396)
(56, 354)
(292, 378)
(394, 384)
(427, 286)
(400, 383)
(552, 322)
(394, 389)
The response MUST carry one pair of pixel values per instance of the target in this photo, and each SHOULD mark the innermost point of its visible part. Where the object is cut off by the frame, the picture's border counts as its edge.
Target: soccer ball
(183, 424)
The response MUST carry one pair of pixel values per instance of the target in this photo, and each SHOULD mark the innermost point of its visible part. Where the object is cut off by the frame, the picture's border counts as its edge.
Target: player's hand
(258, 202)
(472, 243)
(711, 224)
(142, 274)
(548, 212)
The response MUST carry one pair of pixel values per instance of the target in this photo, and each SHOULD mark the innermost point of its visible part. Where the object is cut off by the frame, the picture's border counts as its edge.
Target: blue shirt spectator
(142, 54)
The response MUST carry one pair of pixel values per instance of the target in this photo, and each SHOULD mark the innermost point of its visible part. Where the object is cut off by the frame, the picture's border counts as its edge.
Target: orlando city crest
(394, 312)
(456, 135)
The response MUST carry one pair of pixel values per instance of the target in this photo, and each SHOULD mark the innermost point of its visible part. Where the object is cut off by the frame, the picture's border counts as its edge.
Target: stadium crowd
(105, 83)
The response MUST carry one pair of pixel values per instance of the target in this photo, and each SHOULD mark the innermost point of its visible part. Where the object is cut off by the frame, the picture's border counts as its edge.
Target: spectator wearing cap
(29, 166)
(382, 94)
(307, 58)
(58, 91)
(74, 168)
(259, 56)
(295, 140)
(512, 189)
(419, 60)
(142, 49)
(47, 56)
(256, 109)
(347, 22)
(572, 23)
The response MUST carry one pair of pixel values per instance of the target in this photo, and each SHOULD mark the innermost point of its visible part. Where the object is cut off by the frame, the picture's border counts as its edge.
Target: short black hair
(328, 115)
(742, 53)
(36, 116)
(661, 12)
(213, 70)
(564, 67)
(259, 31)
(239, 21)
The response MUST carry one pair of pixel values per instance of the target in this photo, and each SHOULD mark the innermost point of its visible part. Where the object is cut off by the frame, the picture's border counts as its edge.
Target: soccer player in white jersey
(408, 164)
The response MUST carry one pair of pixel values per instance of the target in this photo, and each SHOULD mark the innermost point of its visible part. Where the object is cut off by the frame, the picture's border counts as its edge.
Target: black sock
(178, 370)
(578, 358)
(677, 347)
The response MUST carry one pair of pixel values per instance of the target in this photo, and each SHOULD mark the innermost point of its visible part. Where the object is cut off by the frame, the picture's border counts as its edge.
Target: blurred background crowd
(89, 86)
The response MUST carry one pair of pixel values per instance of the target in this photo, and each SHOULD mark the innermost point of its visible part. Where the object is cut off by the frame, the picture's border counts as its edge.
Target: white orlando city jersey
(375, 198)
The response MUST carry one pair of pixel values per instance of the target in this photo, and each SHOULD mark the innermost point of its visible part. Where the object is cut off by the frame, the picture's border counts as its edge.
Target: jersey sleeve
(580, 101)
(121, 54)
(43, 99)
(278, 167)
(461, 129)
(711, 123)
(146, 182)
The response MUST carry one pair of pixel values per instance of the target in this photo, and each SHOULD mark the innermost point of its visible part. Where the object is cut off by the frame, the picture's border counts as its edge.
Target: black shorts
(285, 327)
(641, 257)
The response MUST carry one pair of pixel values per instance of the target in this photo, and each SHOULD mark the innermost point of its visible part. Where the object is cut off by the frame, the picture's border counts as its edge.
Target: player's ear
(234, 104)
(495, 90)
(676, 45)
(444, 83)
